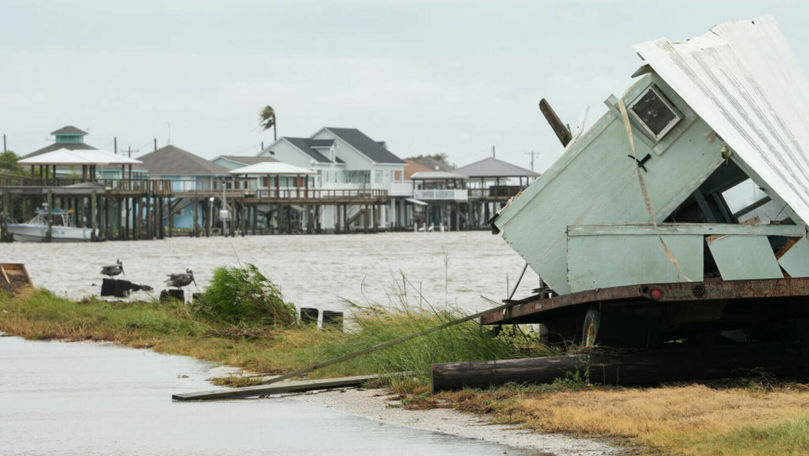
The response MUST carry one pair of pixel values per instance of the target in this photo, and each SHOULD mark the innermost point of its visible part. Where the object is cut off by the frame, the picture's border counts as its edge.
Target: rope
(647, 201)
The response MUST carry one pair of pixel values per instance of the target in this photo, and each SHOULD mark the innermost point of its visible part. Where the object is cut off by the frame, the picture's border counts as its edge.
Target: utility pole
(492, 151)
(4, 142)
(115, 145)
(130, 151)
(155, 143)
(532, 154)
(262, 146)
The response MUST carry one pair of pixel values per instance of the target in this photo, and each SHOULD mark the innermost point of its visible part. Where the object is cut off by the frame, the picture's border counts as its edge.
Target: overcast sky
(452, 77)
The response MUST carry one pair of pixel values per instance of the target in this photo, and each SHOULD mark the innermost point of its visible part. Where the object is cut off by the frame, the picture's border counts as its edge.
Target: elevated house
(491, 183)
(348, 159)
(191, 176)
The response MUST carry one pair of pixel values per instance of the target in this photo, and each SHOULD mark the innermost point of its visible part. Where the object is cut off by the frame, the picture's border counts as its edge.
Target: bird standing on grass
(181, 280)
(113, 270)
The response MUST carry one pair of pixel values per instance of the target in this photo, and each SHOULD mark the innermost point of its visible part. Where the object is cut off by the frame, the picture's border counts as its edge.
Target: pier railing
(146, 186)
(299, 193)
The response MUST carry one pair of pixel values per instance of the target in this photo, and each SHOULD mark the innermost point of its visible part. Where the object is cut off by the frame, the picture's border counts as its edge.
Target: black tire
(589, 331)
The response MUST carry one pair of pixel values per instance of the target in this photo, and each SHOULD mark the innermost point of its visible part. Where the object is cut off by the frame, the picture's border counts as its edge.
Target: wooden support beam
(93, 216)
(49, 231)
(277, 388)
(628, 367)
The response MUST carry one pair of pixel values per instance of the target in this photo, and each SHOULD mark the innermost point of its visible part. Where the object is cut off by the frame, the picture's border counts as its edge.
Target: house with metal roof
(347, 158)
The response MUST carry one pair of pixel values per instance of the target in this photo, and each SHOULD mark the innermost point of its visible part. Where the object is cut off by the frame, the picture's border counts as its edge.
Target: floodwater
(452, 268)
(98, 399)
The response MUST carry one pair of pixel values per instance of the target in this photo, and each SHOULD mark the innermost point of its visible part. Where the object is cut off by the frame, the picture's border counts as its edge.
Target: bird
(181, 280)
(113, 270)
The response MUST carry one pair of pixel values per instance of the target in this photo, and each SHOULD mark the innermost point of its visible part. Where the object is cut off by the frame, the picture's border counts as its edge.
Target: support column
(93, 216)
(49, 211)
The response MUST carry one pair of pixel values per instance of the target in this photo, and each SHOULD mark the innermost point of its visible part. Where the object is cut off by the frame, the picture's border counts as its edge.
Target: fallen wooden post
(277, 388)
(636, 367)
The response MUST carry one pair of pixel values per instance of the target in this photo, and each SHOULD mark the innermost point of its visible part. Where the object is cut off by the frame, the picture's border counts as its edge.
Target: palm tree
(268, 120)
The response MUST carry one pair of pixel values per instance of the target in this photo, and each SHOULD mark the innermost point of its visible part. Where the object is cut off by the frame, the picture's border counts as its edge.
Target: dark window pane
(654, 112)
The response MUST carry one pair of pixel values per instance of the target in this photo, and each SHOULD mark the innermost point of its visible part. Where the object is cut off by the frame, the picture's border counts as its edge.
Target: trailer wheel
(592, 321)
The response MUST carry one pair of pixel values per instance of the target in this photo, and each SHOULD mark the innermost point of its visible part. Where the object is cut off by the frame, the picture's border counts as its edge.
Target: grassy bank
(751, 418)
(174, 328)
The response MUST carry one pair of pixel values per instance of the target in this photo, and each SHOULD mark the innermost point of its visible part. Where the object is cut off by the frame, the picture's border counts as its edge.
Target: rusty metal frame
(708, 290)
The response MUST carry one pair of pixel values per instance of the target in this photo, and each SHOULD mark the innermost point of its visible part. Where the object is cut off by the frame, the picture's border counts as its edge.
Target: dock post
(254, 210)
(48, 233)
(244, 217)
(107, 222)
(196, 217)
(93, 216)
(136, 218)
(6, 211)
(149, 219)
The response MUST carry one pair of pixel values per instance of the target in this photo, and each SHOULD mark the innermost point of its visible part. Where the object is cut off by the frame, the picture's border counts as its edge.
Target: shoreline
(380, 405)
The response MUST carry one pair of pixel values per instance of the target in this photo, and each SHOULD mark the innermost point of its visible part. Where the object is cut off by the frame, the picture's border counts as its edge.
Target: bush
(244, 296)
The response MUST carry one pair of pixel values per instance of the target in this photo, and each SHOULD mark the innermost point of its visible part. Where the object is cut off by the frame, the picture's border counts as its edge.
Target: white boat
(36, 229)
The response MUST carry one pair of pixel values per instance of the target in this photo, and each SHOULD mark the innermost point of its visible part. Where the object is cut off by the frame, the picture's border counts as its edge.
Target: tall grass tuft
(464, 342)
(244, 296)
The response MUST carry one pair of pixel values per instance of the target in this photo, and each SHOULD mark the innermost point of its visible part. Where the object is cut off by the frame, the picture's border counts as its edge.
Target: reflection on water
(313, 271)
(91, 399)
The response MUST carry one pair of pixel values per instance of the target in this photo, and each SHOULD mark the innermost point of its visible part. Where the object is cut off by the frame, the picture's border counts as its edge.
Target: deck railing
(150, 186)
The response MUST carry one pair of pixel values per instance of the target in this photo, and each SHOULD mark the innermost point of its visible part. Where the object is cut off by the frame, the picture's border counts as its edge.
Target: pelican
(181, 280)
(113, 270)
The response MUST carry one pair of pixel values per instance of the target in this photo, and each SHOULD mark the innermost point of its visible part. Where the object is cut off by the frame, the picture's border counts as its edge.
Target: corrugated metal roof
(173, 161)
(744, 81)
(493, 167)
(374, 150)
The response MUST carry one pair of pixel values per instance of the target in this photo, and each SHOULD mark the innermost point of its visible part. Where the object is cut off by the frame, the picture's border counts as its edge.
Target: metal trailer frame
(648, 314)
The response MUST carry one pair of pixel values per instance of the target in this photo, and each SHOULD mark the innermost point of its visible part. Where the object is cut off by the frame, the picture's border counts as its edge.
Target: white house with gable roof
(347, 158)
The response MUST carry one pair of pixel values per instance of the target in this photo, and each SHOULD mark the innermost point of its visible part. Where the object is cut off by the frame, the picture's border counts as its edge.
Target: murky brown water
(89, 399)
(313, 271)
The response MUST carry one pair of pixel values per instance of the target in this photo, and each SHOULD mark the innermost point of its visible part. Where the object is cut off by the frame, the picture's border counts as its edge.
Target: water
(452, 269)
(90, 399)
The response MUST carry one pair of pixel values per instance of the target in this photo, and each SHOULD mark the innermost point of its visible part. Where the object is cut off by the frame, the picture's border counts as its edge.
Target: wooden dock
(132, 209)
(275, 388)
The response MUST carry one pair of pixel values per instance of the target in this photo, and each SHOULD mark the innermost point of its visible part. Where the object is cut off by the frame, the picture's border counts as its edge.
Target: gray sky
(443, 76)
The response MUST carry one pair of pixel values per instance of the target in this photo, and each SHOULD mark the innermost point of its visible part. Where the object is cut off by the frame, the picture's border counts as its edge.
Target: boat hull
(24, 232)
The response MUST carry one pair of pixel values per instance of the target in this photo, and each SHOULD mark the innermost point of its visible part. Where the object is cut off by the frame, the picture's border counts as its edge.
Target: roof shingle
(173, 161)
(367, 146)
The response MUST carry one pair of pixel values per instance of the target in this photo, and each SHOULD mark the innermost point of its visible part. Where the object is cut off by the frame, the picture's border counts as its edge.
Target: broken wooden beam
(276, 388)
(628, 367)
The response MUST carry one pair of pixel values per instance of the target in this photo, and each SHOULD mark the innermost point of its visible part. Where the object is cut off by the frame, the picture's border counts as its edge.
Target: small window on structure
(655, 113)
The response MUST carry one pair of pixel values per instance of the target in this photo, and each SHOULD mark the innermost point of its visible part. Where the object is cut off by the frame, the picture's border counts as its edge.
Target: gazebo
(88, 159)
(490, 170)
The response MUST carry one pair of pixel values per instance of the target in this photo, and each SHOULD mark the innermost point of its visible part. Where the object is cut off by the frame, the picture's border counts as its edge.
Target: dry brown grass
(681, 420)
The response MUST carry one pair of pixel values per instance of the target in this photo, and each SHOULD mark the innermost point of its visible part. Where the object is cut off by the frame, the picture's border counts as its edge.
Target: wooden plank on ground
(276, 388)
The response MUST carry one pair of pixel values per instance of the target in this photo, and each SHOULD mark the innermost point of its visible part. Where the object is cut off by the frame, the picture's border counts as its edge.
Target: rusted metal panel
(744, 257)
(708, 290)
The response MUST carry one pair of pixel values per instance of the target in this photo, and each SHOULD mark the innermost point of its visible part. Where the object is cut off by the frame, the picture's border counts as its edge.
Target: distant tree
(268, 120)
(8, 161)
(443, 158)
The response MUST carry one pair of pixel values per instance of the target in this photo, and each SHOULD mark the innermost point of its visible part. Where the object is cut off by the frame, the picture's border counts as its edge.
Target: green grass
(787, 438)
(173, 328)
